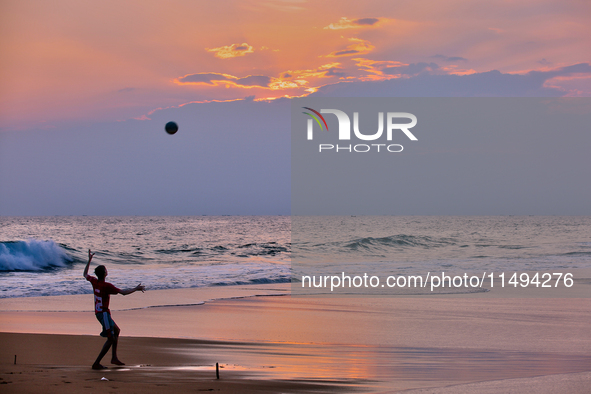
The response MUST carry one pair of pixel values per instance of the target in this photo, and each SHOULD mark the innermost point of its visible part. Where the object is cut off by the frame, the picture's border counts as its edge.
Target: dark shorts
(107, 322)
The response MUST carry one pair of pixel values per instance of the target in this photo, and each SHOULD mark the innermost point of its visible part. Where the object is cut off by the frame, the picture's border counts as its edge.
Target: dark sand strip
(49, 363)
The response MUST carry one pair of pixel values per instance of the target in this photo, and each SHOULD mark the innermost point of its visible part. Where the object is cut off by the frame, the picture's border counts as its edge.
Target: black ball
(171, 128)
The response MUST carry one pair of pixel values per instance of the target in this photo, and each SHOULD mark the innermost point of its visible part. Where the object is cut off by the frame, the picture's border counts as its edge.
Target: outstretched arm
(90, 254)
(133, 290)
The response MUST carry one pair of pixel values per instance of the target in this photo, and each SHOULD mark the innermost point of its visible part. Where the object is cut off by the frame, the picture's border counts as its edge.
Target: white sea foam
(31, 255)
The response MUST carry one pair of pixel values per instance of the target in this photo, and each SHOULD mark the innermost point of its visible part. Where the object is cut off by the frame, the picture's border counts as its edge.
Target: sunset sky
(117, 60)
(79, 64)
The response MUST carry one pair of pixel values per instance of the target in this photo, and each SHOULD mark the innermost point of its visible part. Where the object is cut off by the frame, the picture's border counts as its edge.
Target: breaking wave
(32, 255)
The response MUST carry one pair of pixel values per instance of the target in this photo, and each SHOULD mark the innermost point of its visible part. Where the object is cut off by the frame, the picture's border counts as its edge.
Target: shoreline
(151, 298)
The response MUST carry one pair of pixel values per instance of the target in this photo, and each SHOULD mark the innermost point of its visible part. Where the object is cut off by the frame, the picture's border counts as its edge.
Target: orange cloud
(248, 82)
(346, 23)
(294, 82)
(281, 84)
(215, 79)
(358, 47)
(230, 51)
(323, 71)
(375, 68)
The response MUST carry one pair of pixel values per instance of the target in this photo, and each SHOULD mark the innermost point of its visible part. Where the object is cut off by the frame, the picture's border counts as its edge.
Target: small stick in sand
(217, 370)
(15, 359)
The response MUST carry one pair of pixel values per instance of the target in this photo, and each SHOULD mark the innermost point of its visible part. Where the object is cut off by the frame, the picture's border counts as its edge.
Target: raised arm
(133, 290)
(90, 254)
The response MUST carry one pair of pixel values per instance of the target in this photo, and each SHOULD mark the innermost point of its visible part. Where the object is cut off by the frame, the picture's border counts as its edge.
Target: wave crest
(397, 241)
(32, 255)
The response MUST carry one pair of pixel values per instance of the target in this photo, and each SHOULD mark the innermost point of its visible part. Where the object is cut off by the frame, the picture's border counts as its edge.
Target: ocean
(441, 255)
(45, 256)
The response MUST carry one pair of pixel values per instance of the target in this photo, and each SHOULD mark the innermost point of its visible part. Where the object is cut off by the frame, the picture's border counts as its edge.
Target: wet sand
(54, 363)
(291, 344)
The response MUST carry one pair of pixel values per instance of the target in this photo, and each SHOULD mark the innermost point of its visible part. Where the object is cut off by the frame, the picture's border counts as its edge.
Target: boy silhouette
(102, 292)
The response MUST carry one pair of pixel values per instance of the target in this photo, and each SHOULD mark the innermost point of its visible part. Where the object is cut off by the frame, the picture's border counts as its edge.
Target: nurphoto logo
(344, 131)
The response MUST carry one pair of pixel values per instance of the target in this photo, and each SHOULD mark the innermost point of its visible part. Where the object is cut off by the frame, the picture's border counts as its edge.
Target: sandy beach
(280, 343)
